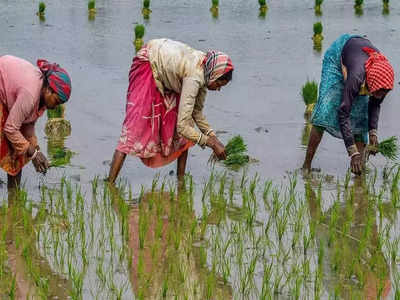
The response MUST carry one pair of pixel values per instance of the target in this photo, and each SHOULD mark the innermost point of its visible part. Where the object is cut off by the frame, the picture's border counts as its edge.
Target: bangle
(34, 154)
(199, 139)
(354, 154)
(209, 131)
(373, 132)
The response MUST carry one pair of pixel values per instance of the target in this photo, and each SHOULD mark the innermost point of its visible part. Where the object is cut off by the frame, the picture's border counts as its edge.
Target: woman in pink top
(25, 93)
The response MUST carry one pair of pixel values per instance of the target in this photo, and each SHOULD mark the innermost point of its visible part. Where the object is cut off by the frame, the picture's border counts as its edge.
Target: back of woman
(171, 61)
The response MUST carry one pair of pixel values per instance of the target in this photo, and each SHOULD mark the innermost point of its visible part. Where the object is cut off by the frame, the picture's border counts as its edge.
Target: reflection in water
(350, 257)
(57, 129)
(263, 10)
(164, 261)
(386, 8)
(214, 11)
(24, 272)
(305, 136)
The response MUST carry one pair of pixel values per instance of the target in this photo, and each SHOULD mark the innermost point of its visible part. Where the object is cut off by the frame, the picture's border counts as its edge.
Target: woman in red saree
(168, 83)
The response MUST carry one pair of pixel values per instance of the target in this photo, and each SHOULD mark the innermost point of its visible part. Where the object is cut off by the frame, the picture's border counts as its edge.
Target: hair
(227, 76)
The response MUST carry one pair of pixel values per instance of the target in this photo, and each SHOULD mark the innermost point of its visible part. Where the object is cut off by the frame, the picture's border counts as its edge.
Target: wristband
(209, 131)
(354, 154)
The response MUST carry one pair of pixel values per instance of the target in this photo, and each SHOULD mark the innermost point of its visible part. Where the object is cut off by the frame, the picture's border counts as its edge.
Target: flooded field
(263, 232)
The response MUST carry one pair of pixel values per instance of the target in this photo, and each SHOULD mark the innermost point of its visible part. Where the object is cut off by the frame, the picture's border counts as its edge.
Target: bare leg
(361, 149)
(13, 182)
(181, 169)
(313, 143)
(116, 165)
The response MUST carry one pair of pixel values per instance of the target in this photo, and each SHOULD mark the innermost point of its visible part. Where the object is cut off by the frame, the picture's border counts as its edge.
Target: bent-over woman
(25, 93)
(355, 79)
(168, 84)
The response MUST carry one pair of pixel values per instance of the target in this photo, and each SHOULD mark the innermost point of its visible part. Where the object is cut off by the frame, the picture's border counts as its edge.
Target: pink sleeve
(20, 111)
(28, 131)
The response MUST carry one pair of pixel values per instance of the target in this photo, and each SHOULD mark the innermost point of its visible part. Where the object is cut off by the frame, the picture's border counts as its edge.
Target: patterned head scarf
(379, 72)
(57, 78)
(216, 64)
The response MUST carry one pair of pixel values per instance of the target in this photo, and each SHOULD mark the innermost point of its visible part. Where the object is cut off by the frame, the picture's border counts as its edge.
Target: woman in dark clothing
(355, 79)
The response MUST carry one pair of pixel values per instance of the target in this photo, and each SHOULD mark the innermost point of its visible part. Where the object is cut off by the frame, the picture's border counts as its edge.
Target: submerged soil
(273, 58)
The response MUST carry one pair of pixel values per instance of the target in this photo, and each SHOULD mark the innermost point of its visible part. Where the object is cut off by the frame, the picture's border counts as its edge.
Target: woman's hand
(356, 164)
(40, 163)
(373, 141)
(217, 146)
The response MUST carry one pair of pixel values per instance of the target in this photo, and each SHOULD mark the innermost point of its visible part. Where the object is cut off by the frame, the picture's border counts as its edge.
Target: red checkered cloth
(216, 64)
(379, 72)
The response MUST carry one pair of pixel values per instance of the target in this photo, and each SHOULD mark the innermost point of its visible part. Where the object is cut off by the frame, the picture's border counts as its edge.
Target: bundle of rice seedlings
(41, 9)
(263, 7)
(146, 4)
(139, 33)
(309, 93)
(215, 3)
(317, 7)
(235, 145)
(386, 9)
(358, 7)
(236, 160)
(358, 3)
(146, 9)
(236, 153)
(92, 6)
(388, 148)
(317, 28)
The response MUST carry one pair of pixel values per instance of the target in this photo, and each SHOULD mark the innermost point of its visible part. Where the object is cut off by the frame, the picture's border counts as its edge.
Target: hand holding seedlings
(217, 146)
(388, 148)
(235, 151)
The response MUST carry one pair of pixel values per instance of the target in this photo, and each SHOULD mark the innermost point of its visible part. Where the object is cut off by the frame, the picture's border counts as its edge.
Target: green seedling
(309, 92)
(139, 33)
(41, 9)
(388, 148)
(263, 8)
(318, 37)
(236, 151)
(358, 3)
(92, 6)
(214, 8)
(358, 7)
(317, 7)
(146, 9)
(317, 28)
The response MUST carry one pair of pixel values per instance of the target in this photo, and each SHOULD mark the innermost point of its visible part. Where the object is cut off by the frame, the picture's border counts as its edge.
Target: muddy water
(273, 58)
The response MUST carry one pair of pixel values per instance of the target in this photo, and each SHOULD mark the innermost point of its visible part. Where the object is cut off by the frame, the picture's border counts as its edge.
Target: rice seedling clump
(317, 28)
(139, 33)
(389, 148)
(41, 9)
(236, 152)
(310, 92)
